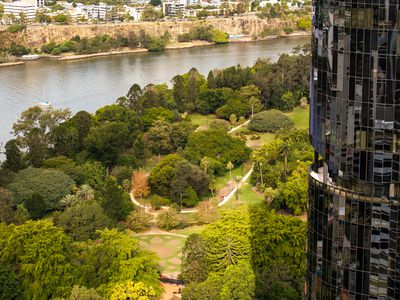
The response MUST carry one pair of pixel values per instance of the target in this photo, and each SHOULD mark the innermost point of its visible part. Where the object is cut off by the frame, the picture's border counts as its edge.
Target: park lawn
(246, 196)
(189, 230)
(240, 171)
(168, 249)
(300, 117)
(202, 121)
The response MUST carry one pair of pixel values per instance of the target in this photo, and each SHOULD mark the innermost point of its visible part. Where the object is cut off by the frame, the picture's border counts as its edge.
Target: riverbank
(11, 64)
(172, 46)
(101, 54)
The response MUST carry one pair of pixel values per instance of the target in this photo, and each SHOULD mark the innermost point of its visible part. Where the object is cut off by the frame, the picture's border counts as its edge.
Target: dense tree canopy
(50, 184)
(216, 144)
(176, 178)
(81, 221)
(39, 251)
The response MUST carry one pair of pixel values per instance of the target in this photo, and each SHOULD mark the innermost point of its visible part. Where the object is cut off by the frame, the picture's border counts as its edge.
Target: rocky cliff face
(35, 36)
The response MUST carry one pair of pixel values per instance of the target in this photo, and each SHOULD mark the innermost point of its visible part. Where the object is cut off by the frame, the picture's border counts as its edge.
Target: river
(91, 83)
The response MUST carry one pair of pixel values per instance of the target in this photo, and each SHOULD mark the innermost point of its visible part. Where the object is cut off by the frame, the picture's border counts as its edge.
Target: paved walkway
(238, 127)
(191, 211)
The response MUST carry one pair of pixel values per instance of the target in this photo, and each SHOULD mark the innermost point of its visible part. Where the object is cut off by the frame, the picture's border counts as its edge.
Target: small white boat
(30, 57)
(44, 104)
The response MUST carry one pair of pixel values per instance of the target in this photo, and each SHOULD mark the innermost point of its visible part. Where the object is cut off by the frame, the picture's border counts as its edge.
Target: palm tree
(230, 166)
(68, 200)
(85, 192)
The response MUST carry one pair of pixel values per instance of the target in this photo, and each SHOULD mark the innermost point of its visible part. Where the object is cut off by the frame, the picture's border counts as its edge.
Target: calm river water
(91, 83)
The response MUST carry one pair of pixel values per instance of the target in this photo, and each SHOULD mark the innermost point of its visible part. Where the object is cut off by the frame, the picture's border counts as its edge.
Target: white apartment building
(26, 7)
(97, 11)
(134, 12)
(17, 8)
(173, 8)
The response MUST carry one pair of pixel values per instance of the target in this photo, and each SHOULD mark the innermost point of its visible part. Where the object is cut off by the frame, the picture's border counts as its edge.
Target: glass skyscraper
(354, 183)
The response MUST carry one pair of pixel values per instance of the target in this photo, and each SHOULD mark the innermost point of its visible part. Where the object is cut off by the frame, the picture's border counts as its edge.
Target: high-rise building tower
(354, 183)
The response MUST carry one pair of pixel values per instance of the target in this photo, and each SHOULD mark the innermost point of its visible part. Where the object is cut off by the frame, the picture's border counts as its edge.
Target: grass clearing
(202, 121)
(300, 117)
(168, 249)
(189, 230)
(240, 171)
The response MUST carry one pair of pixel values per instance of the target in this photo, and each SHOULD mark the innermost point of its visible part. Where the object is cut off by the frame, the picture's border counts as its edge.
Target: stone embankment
(35, 36)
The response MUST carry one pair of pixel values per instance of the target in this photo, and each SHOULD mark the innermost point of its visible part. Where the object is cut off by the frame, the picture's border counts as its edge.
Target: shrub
(18, 50)
(158, 201)
(49, 47)
(15, 28)
(138, 220)
(270, 121)
(81, 221)
(304, 23)
(190, 198)
(168, 219)
(56, 51)
(51, 184)
(288, 30)
(220, 124)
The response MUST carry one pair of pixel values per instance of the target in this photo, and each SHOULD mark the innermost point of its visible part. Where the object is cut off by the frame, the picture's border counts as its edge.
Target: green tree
(293, 193)
(10, 284)
(150, 14)
(115, 201)
(176, 178)
(151, 115)
(131, 290)
(114, 258)
(270, 121)
(83, 293)
(139, 220)
(81, 221)
(158, 138)
(168, 219)
(228, 240)
(39, 250)
(50, 184)
(33, 131)
(239, 282)
(62, 19)
(194, 259)
(106, 141)
(7, 212)
(14, 156)
(216, 144)
(209, 289)
(35, 206)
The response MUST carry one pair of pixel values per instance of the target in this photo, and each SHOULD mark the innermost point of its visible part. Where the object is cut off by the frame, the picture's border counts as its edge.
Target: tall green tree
(106, 141)
(39, 251)
(33, 130)
(81, 221)
(115, 201)
(114, 258)
(14, 156)
(194, 259)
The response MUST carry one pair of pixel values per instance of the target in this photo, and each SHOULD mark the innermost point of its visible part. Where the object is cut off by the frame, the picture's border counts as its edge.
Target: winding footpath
(190, 211)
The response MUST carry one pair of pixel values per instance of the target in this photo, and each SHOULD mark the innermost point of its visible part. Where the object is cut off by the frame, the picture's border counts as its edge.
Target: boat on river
(30, 57)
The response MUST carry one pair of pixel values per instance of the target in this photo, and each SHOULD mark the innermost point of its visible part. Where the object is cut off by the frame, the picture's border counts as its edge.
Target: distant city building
(17, 8)
(97, 12)
(137, 2)
(174, 8)
(134, 12)
(26, 7)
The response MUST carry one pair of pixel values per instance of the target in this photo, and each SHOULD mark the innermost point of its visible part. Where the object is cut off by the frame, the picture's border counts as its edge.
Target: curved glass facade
(354, 188)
